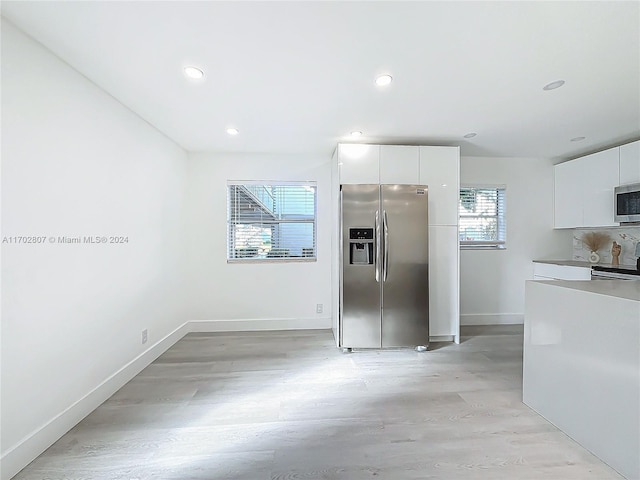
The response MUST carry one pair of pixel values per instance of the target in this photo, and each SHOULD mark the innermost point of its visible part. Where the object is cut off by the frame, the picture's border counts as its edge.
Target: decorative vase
(594, 257)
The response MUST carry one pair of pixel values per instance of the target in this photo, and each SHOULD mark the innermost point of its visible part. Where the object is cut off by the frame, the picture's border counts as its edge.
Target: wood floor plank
(289, 405)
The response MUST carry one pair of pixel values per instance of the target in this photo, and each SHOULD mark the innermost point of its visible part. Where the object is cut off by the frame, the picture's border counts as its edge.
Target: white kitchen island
(582, 364)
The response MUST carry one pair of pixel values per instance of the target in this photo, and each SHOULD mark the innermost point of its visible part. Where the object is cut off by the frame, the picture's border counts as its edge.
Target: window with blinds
(271, 222)
(482, 213)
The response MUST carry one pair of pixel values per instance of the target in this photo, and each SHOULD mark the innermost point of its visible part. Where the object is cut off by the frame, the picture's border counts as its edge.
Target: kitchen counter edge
(579, 263)
(626, 289)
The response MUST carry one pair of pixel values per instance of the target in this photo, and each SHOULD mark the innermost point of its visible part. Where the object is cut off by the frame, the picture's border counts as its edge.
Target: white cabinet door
(630, 163)
(601, 175)
(440, 170)
(444, 254)
(359, 164)
(567, 201)
(399, 164)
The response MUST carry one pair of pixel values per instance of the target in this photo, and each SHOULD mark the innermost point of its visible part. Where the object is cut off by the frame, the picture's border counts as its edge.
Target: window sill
(271, 260)
(483, 247)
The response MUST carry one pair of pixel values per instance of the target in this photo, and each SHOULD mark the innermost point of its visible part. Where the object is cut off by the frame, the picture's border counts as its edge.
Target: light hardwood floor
(289, 405)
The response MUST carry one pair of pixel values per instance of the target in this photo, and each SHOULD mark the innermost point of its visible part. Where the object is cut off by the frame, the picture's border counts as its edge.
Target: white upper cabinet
(601, 176)
(630, 163)
(399, 164)
(583, 190)
(359, 163)
(440, 170)
(567, 199)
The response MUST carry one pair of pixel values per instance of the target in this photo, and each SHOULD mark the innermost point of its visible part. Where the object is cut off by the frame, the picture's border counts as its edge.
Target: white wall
(249, 296)
(492, 281)
(77, 162)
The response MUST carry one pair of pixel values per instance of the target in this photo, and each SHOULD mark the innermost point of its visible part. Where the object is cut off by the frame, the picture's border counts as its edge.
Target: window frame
(273, 183)
(501, 217)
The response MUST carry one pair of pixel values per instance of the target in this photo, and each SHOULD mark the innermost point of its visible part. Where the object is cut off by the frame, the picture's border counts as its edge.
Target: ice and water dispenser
(361, 246)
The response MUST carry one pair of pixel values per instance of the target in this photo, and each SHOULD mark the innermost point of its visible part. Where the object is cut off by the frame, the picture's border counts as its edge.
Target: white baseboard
(19, 456)
(492, 319)
(256, 325)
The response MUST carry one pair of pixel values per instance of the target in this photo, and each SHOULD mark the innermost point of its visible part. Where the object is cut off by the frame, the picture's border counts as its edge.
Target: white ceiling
(299, 76)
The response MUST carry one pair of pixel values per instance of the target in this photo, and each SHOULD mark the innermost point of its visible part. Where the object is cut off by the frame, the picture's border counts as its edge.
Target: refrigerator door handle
(385, 228)
(377, 260)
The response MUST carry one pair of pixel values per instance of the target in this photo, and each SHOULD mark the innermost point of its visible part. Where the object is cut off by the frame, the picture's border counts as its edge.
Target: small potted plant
(594, 242)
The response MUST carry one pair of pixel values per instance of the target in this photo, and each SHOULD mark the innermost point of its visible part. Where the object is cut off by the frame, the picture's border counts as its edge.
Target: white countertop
(627, 289)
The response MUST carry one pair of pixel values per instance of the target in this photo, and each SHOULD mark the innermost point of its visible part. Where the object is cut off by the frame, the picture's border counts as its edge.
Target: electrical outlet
(577, 243)
(319, 308)
(144, 336)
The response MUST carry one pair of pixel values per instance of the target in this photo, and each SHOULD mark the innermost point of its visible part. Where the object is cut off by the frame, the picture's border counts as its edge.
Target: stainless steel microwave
(627, 203)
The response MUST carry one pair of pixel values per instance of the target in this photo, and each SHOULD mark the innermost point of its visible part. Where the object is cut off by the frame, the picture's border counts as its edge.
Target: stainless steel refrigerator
(384, 284)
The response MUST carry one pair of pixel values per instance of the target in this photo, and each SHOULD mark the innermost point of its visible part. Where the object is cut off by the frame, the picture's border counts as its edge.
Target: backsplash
(627, 238)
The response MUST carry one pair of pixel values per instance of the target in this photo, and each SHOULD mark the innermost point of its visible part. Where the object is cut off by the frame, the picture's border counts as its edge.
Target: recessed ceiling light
(356, 134)
(233, 131)
(470, 135)
(384, 80)
(577, 139)
(553, 85)
(193, 72)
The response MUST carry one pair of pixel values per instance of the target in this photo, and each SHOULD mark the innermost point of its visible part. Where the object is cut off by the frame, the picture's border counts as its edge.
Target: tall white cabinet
(439, 169)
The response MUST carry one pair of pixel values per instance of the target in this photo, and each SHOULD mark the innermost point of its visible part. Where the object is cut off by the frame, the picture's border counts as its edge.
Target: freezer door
(360, 290)
(405, 287)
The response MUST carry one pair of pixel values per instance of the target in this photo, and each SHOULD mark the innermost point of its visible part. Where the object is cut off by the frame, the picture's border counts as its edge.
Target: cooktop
(627, 271)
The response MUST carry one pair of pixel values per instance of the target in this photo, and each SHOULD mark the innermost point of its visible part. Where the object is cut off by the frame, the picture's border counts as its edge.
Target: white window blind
(271, 221)
(482, 213)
